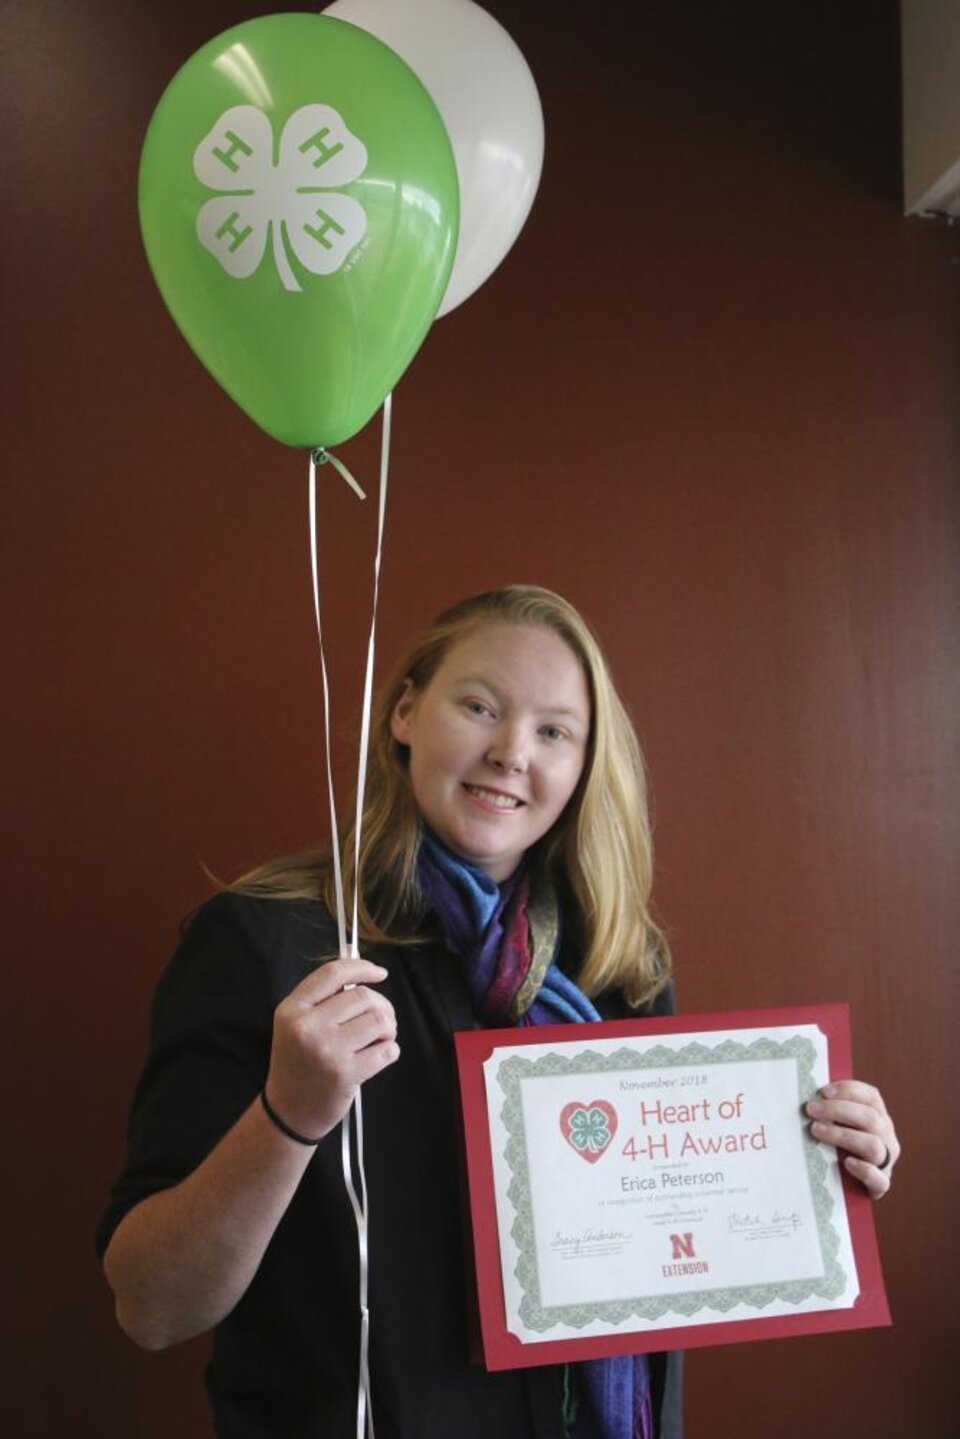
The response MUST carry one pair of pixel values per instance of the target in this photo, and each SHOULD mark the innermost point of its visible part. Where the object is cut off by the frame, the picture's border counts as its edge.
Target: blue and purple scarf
(508, 939)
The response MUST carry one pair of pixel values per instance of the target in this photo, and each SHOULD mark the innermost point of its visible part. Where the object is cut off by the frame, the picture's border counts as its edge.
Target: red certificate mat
(576, 1045)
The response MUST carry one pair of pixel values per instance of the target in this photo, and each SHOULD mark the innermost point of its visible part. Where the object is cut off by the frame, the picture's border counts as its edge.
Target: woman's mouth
(493, 798)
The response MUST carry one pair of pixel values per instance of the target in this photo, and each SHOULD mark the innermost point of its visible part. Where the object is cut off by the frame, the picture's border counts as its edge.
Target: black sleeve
(210, 1030)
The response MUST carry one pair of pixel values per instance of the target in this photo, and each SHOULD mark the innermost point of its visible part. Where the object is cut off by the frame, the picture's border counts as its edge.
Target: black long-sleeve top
(284, 1362)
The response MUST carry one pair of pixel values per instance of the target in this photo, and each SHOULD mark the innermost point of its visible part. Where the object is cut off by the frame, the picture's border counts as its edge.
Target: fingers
(374, 1057)
(369, 1026)
(330, 978)
(343, 1008)
(327, 1040)
(862, 1143)
(857, 1091)
(875, 1181)
(852, 1116)
(330, 1033)
(325, 1014)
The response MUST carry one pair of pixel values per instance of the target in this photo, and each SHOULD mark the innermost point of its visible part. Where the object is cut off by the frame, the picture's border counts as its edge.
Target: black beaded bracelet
(274, 1118)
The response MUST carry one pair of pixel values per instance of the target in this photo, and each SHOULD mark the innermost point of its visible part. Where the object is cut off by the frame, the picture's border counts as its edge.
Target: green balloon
(299, 208)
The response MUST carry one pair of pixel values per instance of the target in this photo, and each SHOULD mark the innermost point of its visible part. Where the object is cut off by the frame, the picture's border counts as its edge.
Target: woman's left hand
(853, 1116)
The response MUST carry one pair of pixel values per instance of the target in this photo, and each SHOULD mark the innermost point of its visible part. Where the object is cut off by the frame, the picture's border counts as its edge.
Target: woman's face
(497, 741)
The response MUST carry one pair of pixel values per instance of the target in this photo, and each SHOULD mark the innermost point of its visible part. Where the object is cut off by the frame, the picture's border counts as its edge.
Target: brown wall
(713, 396)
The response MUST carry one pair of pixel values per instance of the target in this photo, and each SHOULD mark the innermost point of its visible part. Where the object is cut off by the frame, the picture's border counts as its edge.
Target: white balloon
(486, 95)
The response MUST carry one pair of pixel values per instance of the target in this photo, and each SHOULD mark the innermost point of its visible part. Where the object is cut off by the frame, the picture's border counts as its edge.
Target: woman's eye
(550, 731)
(476, 707)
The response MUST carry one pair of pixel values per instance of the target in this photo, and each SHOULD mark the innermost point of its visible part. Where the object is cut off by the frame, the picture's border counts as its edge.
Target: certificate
(652, 1184)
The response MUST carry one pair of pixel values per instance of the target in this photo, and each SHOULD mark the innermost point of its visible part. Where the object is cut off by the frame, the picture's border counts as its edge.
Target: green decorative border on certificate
(828, 1285)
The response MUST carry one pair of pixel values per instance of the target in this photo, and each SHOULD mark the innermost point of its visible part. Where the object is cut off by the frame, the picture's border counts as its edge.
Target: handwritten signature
(744, 1219)
(589, 1239)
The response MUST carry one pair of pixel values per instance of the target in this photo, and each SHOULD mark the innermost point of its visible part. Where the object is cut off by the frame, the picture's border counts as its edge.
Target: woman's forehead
(532, 659)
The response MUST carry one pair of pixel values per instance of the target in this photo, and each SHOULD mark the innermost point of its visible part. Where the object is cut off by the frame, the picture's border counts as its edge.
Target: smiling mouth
(496, 799)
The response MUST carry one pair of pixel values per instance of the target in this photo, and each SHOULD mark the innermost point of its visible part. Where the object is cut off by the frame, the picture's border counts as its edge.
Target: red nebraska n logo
(682, 1246)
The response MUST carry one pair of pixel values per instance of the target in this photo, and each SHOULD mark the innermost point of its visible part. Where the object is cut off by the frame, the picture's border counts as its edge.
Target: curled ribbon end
(322, 456)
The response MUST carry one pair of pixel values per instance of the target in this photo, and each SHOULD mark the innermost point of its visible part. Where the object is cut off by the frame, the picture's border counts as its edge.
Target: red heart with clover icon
(588, 1128)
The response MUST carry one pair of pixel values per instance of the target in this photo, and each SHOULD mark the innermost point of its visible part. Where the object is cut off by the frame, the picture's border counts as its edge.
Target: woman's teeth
(490, 796)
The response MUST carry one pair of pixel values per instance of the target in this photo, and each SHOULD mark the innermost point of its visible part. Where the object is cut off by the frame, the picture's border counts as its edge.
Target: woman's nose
(508, 753)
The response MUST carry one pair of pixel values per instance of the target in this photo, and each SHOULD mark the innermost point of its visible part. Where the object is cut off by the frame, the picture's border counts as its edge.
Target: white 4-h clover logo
(295, 201)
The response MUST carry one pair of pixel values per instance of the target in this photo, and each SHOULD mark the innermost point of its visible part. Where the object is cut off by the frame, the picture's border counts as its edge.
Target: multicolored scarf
(508, 939)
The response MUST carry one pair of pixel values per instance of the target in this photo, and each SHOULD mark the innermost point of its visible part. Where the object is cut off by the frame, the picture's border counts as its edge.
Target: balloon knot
(321, 456)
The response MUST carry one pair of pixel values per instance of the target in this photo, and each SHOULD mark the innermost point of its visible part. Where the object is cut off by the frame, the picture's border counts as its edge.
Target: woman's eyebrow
(564, 712)
(483, 680)
(559, 710)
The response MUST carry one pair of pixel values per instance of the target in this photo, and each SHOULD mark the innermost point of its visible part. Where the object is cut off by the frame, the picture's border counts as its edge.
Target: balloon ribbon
(353, 1120)
(321, 456)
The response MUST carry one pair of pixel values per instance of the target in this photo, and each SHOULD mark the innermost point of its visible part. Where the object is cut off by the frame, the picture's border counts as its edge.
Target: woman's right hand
(180, 1260)
(327, 1040)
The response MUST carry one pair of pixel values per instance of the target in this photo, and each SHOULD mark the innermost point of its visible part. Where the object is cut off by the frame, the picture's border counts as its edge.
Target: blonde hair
(601, 845)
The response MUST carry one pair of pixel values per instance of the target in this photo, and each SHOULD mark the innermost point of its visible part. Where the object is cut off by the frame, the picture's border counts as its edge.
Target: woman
(505, 877)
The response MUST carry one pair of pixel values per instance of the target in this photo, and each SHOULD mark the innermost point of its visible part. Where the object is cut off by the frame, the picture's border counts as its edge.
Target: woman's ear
(401, 721)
